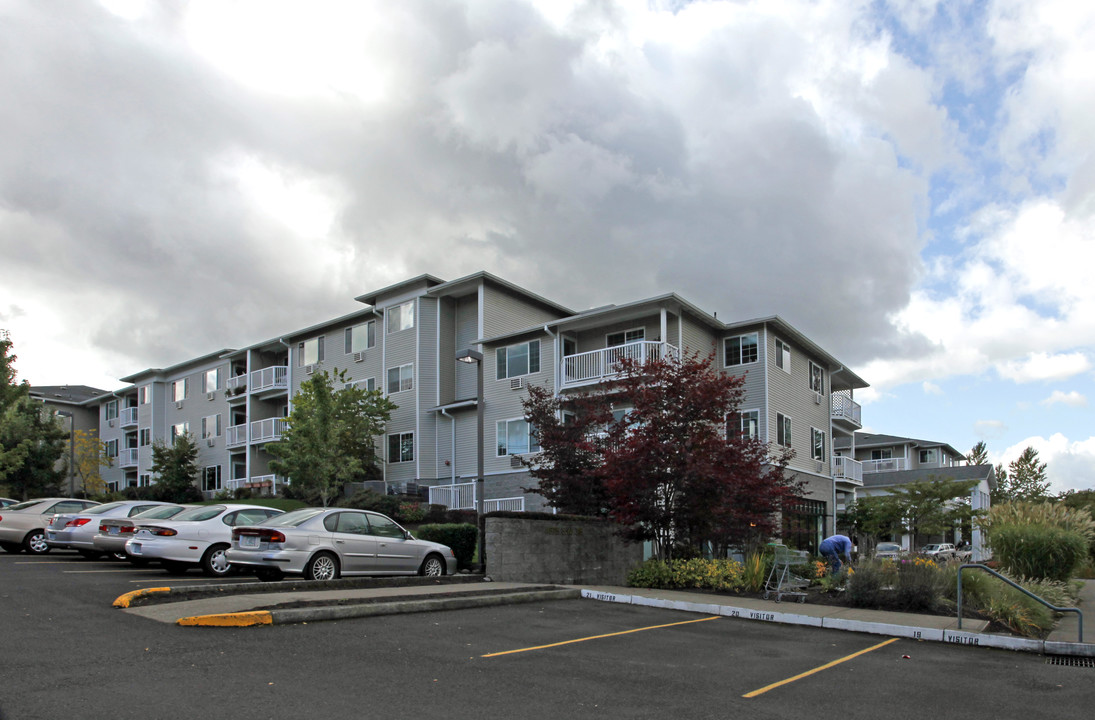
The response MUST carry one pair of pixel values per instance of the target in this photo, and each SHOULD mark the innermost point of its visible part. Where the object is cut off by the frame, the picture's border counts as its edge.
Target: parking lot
(67, 652)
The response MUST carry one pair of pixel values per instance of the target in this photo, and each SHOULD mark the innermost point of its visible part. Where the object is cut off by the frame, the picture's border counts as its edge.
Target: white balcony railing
(271, 378)
(236, 385)
(603, 364)
(887, 465)
(127, 457)
(844, 408)
(513, 504)
(236, 435)
(128, 416)
(267, 430)
(454, 497)
(847, 469)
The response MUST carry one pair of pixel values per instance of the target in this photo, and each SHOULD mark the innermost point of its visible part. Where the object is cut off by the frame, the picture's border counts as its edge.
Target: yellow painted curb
(242, 619)
(123, 601)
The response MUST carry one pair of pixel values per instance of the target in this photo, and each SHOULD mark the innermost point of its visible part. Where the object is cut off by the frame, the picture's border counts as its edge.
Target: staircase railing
(1021, 589)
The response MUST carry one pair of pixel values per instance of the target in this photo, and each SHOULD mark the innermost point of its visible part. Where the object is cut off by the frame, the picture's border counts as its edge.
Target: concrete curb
(291, 616)
(958, 637)
(124, 601)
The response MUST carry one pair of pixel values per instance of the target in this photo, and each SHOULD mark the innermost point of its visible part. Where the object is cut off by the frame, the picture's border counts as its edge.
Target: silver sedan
(326, 543)
(77, 531)
(115, 532)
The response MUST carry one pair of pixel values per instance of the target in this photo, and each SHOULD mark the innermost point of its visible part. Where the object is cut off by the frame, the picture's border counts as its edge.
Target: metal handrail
(1021, 589)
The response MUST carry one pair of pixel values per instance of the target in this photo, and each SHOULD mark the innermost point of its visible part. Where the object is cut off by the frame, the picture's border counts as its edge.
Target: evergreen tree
(176, 469)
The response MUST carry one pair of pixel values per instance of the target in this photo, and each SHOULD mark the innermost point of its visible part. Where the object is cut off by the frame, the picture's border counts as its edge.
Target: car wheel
(173, 567)
(433, 566)
(323, 566)
(269, 574)
(35, 542)
(11, 547)
(215, 562)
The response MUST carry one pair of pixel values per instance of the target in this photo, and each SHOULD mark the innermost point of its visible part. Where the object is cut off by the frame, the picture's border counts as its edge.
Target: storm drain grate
(1070, 661)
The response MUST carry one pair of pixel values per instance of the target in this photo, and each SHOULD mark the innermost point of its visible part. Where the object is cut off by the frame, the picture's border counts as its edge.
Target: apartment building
(405, 342)
(886, 462)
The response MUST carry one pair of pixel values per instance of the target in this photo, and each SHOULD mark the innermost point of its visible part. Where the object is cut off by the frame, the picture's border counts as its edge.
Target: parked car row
(939, 552)
(316, 543)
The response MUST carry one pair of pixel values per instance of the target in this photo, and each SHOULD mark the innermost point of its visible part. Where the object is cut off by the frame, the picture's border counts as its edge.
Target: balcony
(236, 436)
(887, 465)
(269, 381)
(128, 417)
(268, 430)
(127, 457)
(235, 386)
(848, 471)
(846, 411)
(599, 365)
(462, 497)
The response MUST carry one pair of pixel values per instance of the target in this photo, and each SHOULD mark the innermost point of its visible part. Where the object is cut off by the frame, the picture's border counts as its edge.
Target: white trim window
(516, 437)
(400, 378)
(144, 395)
(111, 448)
(211, 379)
(625, 337)
(741, 349)
(748, 425)
(111, 409)
(360, 337)
(146, 437)
(401, 447)
(817, 444)
(180, 389)
(178, 430)
(400, 317)
(817, 378)
(211, 426)
(783, 430)
(517, 360)
(368, 383)
(783, 356)
(928, 457)
(144, 480)
(311, 352)
(882, 454)
(211, 478)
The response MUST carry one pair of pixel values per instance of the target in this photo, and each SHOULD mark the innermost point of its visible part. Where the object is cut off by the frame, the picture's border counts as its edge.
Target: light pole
(471, 357)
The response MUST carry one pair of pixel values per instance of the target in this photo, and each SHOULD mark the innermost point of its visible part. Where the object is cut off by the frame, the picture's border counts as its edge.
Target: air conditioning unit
(209, 442)
(515, 461)
(818, 397)
(309, 369)
(820, 466)
(178, 405)
(110, 423)
(211, 396)
(516, 383)
(359, 357)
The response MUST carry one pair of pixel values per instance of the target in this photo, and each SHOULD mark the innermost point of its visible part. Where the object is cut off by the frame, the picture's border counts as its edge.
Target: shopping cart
(782, 578)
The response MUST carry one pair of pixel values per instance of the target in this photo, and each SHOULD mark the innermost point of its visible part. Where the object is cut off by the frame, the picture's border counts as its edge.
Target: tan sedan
(23, 525)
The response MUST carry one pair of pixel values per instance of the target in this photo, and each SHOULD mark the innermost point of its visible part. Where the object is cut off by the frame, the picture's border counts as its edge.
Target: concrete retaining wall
(558, 551)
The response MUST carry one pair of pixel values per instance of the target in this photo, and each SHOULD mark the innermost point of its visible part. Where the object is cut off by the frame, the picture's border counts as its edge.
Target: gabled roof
(356, 315)
(468, 283)
(957, 472)
(66, 394)
(871, 440)
(150, 373)
(370, 298)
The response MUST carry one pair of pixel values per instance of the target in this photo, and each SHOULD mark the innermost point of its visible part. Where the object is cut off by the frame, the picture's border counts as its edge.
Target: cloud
(989, 429)
(1072, 399)
(1042, 366)
(932, 389)
(1070, 465)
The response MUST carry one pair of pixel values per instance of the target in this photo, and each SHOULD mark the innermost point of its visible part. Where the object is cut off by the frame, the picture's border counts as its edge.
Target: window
(146, 437)
(144, 395)
(518, 360)
(144, 480)
(817, 444)
(400, 378)
(817, 378)
(741, 349)
(180, 389)
(401, 317)
(111, 409)
(928, 457)
(748, 424)
(212, 380)
(623, 338)
(368, 383)
(211, 426)
(401, 447)
(310, 352)
(360, 337)
(383, 527)
(783, 430)
(882, 454)
(211, 478)
(783, 356)
(516, 437)
(112, 448)
(179, 430)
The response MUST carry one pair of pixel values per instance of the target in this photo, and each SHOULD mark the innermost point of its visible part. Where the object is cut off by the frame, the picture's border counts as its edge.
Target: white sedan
(196, 537)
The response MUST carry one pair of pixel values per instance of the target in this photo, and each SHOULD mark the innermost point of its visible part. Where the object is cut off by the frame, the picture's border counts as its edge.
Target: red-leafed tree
(664, 463)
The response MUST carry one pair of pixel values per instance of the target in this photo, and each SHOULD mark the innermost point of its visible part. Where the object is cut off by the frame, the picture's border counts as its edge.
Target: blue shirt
(837, 545)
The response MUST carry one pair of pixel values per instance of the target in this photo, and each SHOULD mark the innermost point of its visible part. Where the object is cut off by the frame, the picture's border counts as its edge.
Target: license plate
(134, 549)
(249, 541)
(113, 530)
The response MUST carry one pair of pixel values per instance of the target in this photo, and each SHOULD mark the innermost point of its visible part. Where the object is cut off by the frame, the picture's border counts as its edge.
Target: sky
(910, 184)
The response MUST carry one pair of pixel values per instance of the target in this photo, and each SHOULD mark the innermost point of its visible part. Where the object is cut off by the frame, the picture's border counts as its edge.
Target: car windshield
(160, 512)
(24, 505)
(888, 547)
(201, 513)
(931, 548)
(294, 518)
(100, 509)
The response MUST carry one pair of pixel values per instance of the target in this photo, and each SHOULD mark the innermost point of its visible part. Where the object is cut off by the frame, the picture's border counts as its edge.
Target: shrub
(687, 574)
(411, 512)
(919, 585)
(755, 572)
(1038, 551)
(651, 574)
(372, 500)
(867, 586)
(462, 538)
(998, 602)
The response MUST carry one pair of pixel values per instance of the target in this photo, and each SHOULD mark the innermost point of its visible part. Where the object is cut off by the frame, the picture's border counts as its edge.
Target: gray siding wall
(401, 348)
(698, 339)
(504, 312)
(755, 397)
(467, 332)
(790, 394)
(503, 403)
(426, 386)
(446, 348)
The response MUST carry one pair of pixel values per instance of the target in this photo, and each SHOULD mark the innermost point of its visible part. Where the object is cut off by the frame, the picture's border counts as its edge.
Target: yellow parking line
(598, 637)
(826, 666)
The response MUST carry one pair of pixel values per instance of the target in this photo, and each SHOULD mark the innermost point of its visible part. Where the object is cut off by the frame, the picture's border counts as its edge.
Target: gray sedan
(114, 532)
(326, 543)
(77, 531)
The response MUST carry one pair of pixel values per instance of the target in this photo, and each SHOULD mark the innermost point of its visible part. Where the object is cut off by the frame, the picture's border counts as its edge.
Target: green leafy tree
(31, 438)
(935, 506)
(874, 519)
(1024, 481)
(331, 435)
(176, 469)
